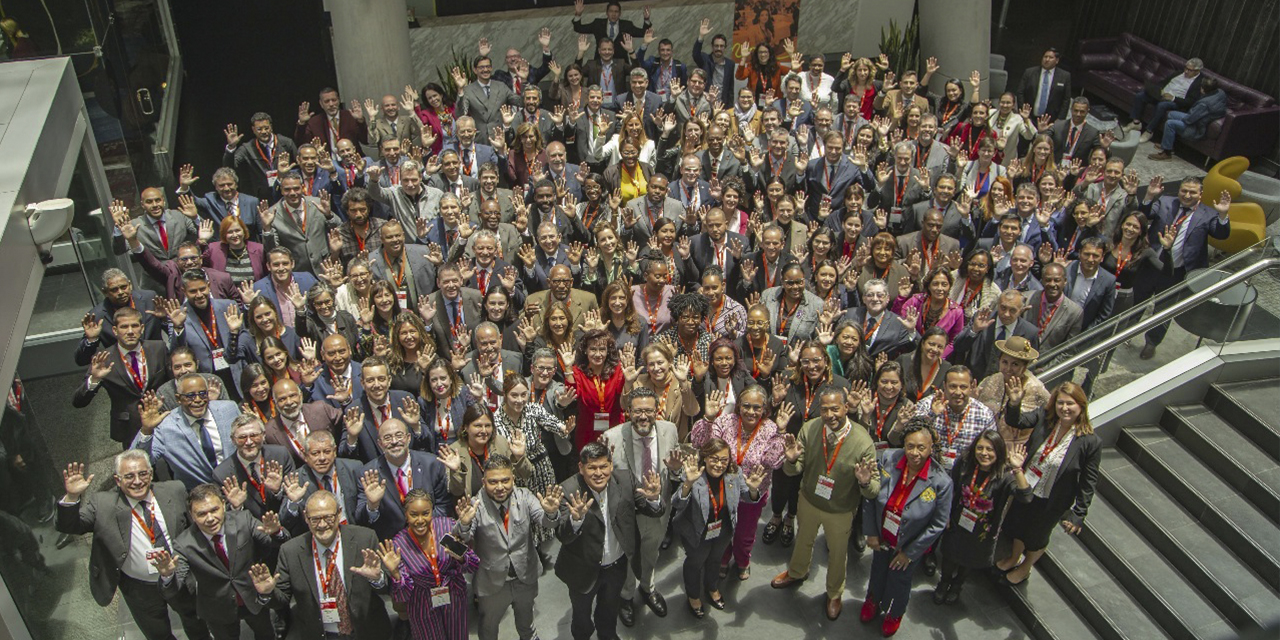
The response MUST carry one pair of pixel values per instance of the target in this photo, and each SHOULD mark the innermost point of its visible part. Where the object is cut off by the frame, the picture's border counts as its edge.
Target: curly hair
(611, 358)
(681, 303)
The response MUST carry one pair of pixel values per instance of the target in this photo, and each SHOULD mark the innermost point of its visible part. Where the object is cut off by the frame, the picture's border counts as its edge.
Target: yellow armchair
(1248, 226)
(1223, 176)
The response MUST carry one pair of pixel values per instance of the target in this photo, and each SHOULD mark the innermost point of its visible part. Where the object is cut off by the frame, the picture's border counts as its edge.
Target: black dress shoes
(655, 601)
(627, 613)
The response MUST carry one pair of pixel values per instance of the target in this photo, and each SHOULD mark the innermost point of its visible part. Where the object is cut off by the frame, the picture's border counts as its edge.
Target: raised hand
(150, 413)
(270, 523)
(236, 492)
(579, 505)
(263, 580)
(1013, 389)
(466, 510)
(371, 570)
(864, 470)
(518, 445)
(692, 469)
(551, 500)
(374, 488)
(792, 448)
(74, 481)
(651, 488)
(165, 563)
(295, 487)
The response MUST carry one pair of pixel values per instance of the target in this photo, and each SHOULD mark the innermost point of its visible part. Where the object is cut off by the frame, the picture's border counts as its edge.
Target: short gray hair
(111, 274)
(638, 73)
(874, 282)
(903, 146)
(132, 455)
(247, 420)
(226, 172)
(1195, 63)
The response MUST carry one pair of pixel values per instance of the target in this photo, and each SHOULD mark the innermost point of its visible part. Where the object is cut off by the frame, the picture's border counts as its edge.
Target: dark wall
(241, 57)
(1239, 39)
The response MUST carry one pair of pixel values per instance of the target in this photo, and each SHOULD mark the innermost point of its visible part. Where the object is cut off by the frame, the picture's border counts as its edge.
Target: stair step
(1246, 600)
(1236, 523)
(1251, 407)
(1044, 610)
(1108, 606)
(1152, 581)
(1229, 453)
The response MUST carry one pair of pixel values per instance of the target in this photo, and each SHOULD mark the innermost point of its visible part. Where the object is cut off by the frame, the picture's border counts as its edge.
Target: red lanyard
(429, 550)
(954, 429)
(743, 447)
(328, 571)
(398, 275)
(882, 418)
(924, 385)
(929, 255)
(764, 266)
(268, 159)
(479, 459)
(652, 310)
(831, 459)
(260, 486)
(869, 333)
(712, 318)
(1046, 319)
(443, 418)
(966, 298)
(784, 316)
(1049, 445)
(300, 221)
(211, 335)
(151, 533)
(600, 385)
(139, 377)
(716, 505)
(975, 494)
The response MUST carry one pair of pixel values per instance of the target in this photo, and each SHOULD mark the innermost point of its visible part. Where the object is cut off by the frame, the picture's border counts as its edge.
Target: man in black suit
(212, 560)
(455, 309)
(378, 404)
(409, 272)
(975, 347)
(129, 525)
(883, 331)
(1046, 87)
(100, 324)
(716, 244)
(598, 536)
(774, 162)
(324, 471)
(606, 70)
(390, 477)
(253, 477)
(256, 162)
(593, 129)
(718, 161)
(1073, 137)
(337, 601)
(645, 102)
(719, 67)
(128, 369)
(611, 27)
(1091, 286)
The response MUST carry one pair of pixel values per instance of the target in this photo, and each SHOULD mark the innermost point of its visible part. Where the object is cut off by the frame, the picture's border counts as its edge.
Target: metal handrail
(1157, 318)
(1088, 336)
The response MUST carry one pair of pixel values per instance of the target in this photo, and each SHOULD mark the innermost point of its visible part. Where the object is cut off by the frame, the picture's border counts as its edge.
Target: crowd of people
(615, 303)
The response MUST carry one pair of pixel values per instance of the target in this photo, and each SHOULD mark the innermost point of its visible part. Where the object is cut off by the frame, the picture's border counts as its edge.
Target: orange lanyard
(831, 459)
(768, 279)
(715, 317)
(975, 494)
(867, 335)
(743, 447)
(140, 376)
(924, 384)
(398, 275)
(429, 550)
(600, 385)
(260, 486)
(716, 505)
(151, 533)
(1045, 320)
(966, 298)
(929, 256)
(652, 310)
(268, 159)
(326, 572)
(444, 418)
(662, 399)
(882, 418)
(784, 316)
(300, 221)
(478, 459)
(954, 429)
(211, 335)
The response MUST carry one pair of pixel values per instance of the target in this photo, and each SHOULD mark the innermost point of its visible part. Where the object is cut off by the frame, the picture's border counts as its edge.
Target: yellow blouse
(633, 185)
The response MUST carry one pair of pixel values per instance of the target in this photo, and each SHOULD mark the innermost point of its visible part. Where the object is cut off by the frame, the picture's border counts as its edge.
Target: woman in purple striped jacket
(428, 579)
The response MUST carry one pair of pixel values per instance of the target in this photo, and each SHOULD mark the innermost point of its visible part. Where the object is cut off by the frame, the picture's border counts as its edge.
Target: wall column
(958, 34)
(370, 48)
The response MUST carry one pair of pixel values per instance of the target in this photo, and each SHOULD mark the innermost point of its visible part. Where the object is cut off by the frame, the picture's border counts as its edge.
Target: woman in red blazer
(241, 258)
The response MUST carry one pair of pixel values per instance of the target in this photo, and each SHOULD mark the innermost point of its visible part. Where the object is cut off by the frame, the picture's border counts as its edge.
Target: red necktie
(386, 413)
(164, 234)
(221, 550)
(484, 281)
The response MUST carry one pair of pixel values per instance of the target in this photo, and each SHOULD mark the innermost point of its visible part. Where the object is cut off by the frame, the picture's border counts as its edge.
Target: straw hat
(1018, 347)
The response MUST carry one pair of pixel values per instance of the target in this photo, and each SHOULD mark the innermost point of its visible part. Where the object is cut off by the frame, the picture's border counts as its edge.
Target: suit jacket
(108, 516)
(1077, 477)
(705, 63)
(478, 154)
(591, 70)
(758, 179)
(846, 175)
(317, 126)
(651, 105)
(177, 442)
(691, 513)
(428, 473)
(504, 548)
(266, 289)
(423, 273)
(193, 336)
(802, 325)
(215, 585)
(406, 124)
(581, 549)
(318, 417)
(309, 325)
(178, 229)
(472, 315)
(297, 568)
(702, 193)
(887, 199)
(1204, 222)
(367, 447)
(911, 242)
(580, 302)
(1101, 299)
(926, 512)
(124, 394)
(977, 350)
(589, 150)
(702, 252)
(1062, 326)
(451, 242)
(550, 131)
(640, 233)
(621, 440)
(215, 257)
(728, 166)
(323, 387)
(890, 337)
(936, 160)
(348, 474)
(251, 164)
(1086, 139)
(460, 480)
(143, 300)
(168, 273)
(1154, 86)
(1059, 105)
(485, 109)
(310, 246)
(257, 503)
(211, 206)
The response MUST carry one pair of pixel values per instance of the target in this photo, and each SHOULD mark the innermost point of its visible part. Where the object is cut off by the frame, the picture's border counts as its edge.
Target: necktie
(483, 281)
(1180, 237)
(149, 517)
(486, 90)
(466, 160)
(613, 31)
(646, 455)
(206, 443)
(502, 511)
(1000, 335)
(137, 369)
(233, 208)
(386, 413)
(402, 482)
(221, 550)
(715, 165)
(1071, 139)
(515, 82)
(253, 472)
(393, 128)
(1045, 77)
(338, 592)
(328, 484)
(164, 233)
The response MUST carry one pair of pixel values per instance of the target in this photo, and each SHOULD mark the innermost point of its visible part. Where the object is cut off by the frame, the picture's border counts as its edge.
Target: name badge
(826, 484)
(891, 522)
(948, 459)
(600, 423)
(403, 296)
(968, 519)
(329, 611)
(895, 215)
(271, 177)
(713, 530)
(1033, 475)
(219, 359)
(439, 596)
(151, 555)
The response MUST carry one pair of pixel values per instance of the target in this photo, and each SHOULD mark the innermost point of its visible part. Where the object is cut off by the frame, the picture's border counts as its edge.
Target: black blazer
(599, 28)
(428, 473)
(1077, 478)
(214, 585)
(152, 327)
(298, 583)
(1059, 90)
(581, 551)
(978, 350)
(256, 503)
(892, 337)
(348, 472)
(124, 394)
(312, 327)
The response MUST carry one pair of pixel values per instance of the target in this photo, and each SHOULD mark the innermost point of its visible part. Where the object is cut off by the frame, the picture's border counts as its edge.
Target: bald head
(336, 352)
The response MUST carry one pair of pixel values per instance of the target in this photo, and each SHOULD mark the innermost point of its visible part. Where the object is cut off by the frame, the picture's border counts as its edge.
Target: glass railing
(1237, 298)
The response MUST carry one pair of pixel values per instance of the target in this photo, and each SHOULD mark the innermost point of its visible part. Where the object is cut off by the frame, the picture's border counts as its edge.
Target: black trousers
(785, 493)
(150, 610)
(259, 623)
(701, 570)
(596, 611)
(1155, 335)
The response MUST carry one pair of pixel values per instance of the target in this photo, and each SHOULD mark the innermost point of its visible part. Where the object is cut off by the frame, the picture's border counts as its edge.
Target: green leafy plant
(460, 60)
(902, 45)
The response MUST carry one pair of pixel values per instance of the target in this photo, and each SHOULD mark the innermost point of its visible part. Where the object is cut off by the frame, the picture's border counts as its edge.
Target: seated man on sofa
(1177, 92)
(1192, 124)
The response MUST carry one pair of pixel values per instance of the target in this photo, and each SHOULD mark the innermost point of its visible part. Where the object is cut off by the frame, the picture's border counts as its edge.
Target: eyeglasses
(324, 519)
(196, 395)
(809, 362)
(793, 283)
(643, 412)
(545, 369)
(245, 437)
(718, 460)
(395, 437)
(138, 475)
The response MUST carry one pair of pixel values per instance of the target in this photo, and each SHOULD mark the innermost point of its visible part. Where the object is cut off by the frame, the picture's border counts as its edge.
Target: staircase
(1183, 536)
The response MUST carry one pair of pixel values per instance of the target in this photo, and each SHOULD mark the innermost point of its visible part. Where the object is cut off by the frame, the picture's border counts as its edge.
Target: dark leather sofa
(1115, 69)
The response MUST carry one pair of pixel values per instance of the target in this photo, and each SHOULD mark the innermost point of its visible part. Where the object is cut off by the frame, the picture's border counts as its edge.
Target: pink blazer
(952, 320)
(215, 257)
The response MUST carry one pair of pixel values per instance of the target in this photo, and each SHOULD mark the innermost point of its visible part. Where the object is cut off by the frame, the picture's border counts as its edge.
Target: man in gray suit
(212, 560)
(352, 572)
(483, 100)
(640, 446)
(393, 119)
(499, 524)
(300, 223)
(645, 211)
(410, 200)
(409, 272)
(254, 476)
(161, 230)
(194, 440)
(324, 471)
(1058, 317)
(129, 525)
(932, 245)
